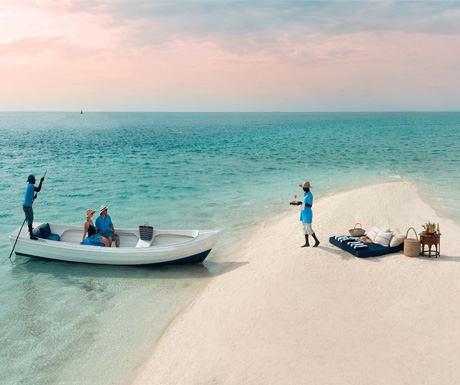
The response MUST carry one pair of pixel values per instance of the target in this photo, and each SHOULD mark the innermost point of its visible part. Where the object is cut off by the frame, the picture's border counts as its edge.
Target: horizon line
(222, 112)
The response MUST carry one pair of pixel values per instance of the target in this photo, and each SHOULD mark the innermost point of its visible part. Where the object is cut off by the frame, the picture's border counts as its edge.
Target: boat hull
(168, 247)
(197, 258)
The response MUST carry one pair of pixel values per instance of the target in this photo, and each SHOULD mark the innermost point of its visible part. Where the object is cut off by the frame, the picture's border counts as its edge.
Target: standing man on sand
(29, 197)
(306, 214)
(105, 227)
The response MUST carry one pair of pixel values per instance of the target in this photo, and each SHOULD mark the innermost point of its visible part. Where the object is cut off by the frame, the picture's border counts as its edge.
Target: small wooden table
(430, 240)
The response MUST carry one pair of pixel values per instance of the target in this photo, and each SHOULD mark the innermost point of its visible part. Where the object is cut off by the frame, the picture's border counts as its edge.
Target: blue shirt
(29, 195)
(103, 225)
(306, 215)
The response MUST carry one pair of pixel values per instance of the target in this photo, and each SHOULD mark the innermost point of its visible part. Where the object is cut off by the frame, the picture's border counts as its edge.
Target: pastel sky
(229, 55)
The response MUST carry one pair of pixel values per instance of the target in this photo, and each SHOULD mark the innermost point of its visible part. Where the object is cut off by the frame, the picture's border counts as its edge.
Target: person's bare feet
(317, 242)
(307, 244)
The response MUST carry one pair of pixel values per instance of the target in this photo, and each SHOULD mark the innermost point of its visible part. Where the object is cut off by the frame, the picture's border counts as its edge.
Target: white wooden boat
(166, 246)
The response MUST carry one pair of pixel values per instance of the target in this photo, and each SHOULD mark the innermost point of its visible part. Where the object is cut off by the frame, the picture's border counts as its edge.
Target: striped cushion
(373, 233)
(383, 238)
(397, 239)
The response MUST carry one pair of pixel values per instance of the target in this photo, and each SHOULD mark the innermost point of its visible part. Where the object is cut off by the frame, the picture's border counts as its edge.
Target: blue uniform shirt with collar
(29, 195)
(306, 214)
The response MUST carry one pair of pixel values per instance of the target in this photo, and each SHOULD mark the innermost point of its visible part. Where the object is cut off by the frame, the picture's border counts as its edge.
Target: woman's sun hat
(102, 208)
(89, 212)
(305, 185)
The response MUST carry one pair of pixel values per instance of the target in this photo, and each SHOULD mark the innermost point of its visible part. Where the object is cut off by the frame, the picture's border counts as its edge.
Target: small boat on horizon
(81, 112)
(165, 247)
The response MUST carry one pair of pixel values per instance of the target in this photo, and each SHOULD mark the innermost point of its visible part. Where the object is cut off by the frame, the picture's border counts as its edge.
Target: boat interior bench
(144, 243)
(43, 231)
(372, 250)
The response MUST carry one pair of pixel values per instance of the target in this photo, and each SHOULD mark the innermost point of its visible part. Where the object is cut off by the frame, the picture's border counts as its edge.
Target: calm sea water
(70, 323)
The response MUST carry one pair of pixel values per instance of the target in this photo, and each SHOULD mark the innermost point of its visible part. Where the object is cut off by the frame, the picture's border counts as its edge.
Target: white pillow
(397, 239)
(383, 238)
(385, 230)
(373, 233)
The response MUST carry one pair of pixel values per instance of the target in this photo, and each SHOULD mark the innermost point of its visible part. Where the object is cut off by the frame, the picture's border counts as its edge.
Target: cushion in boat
(53, 237)
(37, 233)
(42, 231)
(45, 230)
(87, 242)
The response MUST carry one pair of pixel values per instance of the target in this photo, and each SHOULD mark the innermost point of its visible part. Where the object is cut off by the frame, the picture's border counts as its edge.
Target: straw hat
(102, 208)
(305, 185)
(89, 212)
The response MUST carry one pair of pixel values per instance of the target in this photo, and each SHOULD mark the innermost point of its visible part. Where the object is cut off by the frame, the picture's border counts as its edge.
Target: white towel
(358, 245)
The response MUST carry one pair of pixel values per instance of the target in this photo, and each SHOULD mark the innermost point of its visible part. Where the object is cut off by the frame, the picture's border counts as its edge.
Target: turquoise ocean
(86, 324)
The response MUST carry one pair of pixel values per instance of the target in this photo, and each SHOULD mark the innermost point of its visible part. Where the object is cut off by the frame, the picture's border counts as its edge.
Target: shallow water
(62, 321)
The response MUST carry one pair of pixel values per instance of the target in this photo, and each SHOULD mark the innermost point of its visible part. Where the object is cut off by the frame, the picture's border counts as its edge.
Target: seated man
(105, 228)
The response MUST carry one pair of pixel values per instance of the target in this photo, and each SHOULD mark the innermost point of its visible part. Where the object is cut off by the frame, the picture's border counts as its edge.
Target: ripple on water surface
(62, 321)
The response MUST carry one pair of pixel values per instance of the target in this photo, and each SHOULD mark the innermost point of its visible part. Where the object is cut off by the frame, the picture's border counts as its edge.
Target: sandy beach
(296, 315)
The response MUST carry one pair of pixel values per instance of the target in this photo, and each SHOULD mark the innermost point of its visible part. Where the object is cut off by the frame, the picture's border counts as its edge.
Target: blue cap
(30, 178)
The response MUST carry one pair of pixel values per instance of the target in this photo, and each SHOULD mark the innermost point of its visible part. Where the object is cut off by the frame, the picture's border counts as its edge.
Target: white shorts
(307, 229)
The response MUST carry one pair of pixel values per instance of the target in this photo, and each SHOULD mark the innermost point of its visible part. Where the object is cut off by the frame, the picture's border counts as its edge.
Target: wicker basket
(357, 231)
(146, 232)
(411, 245)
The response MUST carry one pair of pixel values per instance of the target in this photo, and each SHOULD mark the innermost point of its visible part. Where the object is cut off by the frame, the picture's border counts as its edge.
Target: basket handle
(407, 233)
(360, 225)
(146, 224)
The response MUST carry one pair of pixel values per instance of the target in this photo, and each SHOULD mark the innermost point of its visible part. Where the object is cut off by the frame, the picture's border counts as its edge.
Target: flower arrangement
(430, 228)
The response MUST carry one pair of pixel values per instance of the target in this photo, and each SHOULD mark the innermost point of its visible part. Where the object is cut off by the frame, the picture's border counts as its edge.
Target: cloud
(283, 28)
(297, 32)
(29, 46)
(230, 54)
(250, 26)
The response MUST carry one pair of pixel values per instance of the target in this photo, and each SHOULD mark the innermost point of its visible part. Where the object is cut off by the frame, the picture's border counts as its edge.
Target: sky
(216, 55)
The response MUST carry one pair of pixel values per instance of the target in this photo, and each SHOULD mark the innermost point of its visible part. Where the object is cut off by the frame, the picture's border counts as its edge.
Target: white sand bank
(294, 315)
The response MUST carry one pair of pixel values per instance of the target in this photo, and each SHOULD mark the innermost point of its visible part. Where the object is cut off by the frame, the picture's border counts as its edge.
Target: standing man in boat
(105, 227)
(29, 197)
(306, 214)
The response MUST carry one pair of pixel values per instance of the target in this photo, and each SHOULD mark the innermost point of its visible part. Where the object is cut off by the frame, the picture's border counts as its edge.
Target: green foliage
(429, 227)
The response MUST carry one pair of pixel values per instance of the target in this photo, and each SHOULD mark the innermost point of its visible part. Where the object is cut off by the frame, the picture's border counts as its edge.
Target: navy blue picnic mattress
(372, 250)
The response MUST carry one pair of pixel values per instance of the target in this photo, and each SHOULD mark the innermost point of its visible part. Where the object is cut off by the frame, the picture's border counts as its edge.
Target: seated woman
(91, 230)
